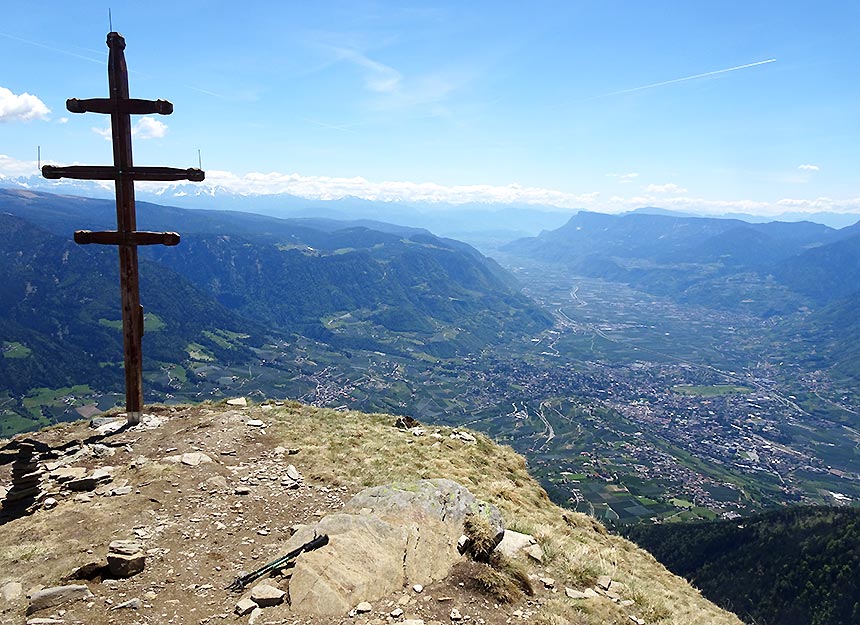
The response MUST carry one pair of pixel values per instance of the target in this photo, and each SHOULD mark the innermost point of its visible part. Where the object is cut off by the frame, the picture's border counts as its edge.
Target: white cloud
(149, 128)
(63, 120)
(392, 91)
(13, 168)
(378, 77)
(102, 132)
(625, 178)
(810, 167)
(329, 188)
(665, 188)
(145, 128)
(21, 108)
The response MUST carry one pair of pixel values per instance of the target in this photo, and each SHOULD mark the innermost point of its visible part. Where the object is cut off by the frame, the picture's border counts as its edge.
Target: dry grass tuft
(514, 570)
(494, 583)
(502, 579)
(23, 552)
(481, 535)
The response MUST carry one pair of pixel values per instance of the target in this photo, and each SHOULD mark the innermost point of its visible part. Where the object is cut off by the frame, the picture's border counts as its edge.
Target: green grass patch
(224, 338)
(705, 513)
(220, 341)
(116, 324)
(198, 352)
(152, 323)
(178, 372)
(12, 423)
(39, 397)
(14, 349)
(716, 390)
(574, 476)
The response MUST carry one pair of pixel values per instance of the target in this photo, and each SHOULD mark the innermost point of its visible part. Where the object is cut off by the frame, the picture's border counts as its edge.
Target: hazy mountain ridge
(469, 220)
(826, 273)
(60, 301)
(662, 237)
(802, 278)
(234, 280)
(683, 256)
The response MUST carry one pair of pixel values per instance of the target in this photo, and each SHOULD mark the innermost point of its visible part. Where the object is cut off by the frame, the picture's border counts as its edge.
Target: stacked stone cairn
(26, 479)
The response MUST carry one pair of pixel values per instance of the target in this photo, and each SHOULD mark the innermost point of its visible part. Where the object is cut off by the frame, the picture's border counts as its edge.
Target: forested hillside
(788, 567)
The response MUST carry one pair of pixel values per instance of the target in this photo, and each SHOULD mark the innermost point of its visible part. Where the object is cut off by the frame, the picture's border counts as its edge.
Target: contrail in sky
(53, 49)
(669, 82)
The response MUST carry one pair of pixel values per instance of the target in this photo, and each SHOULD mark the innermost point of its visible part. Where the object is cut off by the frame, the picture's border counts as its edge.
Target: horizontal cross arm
(97, 172)
(130, 106)
(167, 173)
(126, 238)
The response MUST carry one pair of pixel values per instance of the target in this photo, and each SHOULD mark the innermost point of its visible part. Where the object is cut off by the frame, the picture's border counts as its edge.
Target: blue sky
(599, 105)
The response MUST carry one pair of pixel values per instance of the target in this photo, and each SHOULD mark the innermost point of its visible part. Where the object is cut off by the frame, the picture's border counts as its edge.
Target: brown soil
(201, 526)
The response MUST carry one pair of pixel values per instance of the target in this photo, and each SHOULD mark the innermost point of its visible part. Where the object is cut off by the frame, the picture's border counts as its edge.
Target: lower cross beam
(113, 237)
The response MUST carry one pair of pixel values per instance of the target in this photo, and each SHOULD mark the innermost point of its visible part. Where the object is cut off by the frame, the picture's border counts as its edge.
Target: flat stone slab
(64, 474)
(244, 606)
(576, 594)
(194, 458)
(265, 595)
(125, 547)
(58, 595)
(191, 459)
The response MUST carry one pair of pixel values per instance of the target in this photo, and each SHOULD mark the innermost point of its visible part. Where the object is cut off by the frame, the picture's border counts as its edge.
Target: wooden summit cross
(120, 108)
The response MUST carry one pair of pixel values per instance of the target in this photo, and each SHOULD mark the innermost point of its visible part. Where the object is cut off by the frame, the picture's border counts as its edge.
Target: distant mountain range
(806, 274)
(475, 222)
(694, 258)
(483, 224)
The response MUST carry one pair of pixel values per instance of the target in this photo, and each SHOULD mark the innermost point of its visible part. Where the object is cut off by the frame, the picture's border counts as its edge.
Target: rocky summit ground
(210, 492)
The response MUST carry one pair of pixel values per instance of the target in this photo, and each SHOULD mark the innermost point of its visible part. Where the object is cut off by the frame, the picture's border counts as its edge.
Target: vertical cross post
(120, 108)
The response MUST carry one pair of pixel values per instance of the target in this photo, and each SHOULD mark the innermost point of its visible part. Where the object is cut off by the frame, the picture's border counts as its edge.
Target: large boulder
(386, 537)
(362, 561)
